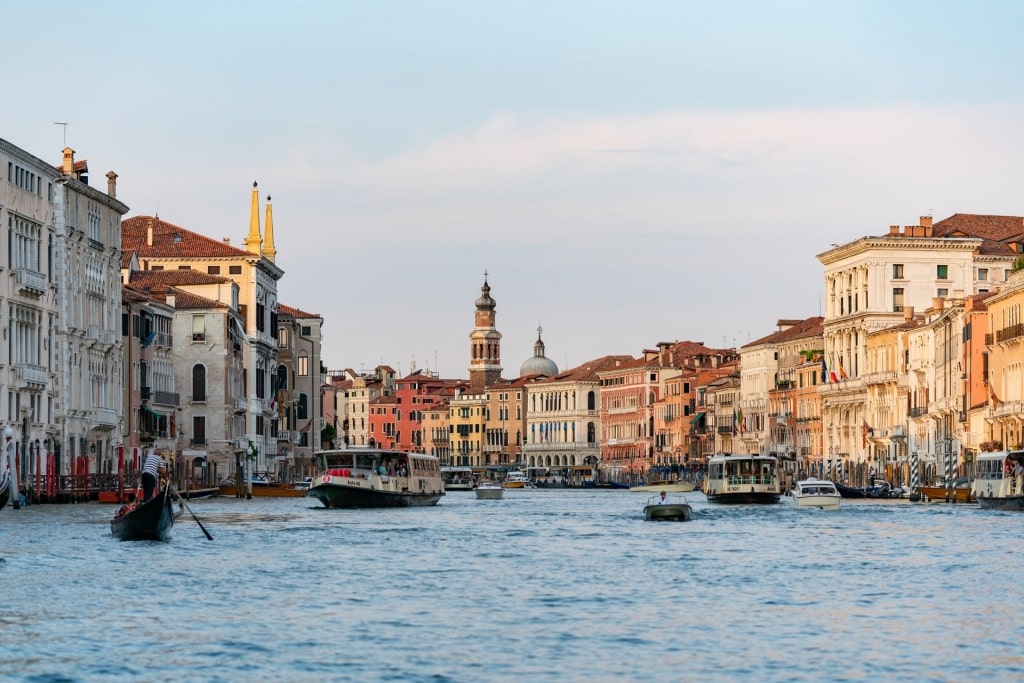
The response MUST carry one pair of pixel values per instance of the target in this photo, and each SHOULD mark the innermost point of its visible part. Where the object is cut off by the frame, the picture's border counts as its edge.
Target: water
(544, 585)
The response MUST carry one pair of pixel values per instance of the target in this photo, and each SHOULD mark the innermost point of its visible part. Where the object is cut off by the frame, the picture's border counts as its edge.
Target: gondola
(149, 521)
(850, 491)
(5, 489)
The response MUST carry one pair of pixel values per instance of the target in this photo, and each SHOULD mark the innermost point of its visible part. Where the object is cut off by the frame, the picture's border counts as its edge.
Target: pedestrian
(151, 471)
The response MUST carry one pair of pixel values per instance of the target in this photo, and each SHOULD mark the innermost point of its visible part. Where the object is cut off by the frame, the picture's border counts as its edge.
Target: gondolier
(151, 474)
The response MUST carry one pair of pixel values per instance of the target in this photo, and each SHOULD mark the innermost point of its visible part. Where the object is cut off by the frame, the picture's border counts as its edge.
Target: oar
(185, 505)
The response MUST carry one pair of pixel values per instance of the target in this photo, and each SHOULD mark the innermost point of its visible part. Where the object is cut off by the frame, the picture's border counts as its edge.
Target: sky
(626, 173)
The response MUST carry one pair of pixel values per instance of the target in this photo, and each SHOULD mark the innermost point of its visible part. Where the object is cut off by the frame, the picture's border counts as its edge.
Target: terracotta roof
(187, 301)
(172, 241)
(295, 312)
(811, 327)
(78, 167)
(132, 296)
(587, 372)
(995, 228)
(154, 278)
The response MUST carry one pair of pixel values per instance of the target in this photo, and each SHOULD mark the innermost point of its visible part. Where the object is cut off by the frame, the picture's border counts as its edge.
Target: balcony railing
(165, 398)
(111, 337)
(917, 412)
(1011, 332)
(283, 435)
(31, 281)
(33, 374)
(105, 418)
(241, 405)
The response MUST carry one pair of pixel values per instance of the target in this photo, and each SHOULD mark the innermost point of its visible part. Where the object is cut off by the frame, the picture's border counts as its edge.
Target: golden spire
(253, 239)
(269, 252)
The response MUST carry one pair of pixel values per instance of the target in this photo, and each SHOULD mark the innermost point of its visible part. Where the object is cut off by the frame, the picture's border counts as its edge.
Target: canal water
(544, 585)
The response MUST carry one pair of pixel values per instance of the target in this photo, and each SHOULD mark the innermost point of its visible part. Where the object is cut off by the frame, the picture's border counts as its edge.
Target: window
(184, 267)
(307, 331)
(213, 270)
(198, 383)
(199, 429)
(942, 272)
(303, 369)
(234, 270)
(199, 328)
(897, 271)
(942, 292)
(983, 274)
(897, 299)
(282, 337)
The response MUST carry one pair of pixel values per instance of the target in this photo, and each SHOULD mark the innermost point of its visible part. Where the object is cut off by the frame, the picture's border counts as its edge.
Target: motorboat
(362, 477)
(958, 491)
(739, 479)
(667, 508)
(489, 490)
(517, 479)
(998, 482)
(816, 493)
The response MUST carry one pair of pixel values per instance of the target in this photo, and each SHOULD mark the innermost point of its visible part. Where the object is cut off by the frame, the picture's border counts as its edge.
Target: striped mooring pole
(915, 472)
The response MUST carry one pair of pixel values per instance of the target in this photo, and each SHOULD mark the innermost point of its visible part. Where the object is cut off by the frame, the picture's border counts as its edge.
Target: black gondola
(149, 521)
(5, 489)
(850, 491)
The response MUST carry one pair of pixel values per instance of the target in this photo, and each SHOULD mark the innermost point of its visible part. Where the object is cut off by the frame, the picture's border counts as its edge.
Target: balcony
(1009, 333)
(31, 282)
(92, 332)
(105, 418)
(165, 398)
(240, 405)
(30, 374)
(111, 337)
(917, 412)
(283, 435)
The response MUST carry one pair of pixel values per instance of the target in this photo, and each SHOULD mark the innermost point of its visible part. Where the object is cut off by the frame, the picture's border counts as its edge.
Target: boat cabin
(366, 463)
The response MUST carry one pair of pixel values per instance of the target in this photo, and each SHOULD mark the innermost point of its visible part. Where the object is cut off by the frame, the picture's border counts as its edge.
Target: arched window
(591, 401)
(301, 408)
(198, 383)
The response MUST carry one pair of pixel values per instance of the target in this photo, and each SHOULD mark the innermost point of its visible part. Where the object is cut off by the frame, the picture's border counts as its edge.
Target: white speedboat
(816, 493)
(489, 490)
(667, 508)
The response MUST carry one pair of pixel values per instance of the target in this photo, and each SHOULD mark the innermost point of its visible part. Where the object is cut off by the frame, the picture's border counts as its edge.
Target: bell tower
(484, 343)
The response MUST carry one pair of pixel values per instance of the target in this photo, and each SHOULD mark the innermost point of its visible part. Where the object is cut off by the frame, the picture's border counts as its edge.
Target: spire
(268, 244)
(538, 346)
(253, 240)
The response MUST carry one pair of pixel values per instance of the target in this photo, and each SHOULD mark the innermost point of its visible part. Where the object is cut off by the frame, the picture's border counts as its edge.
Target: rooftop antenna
(65, 124)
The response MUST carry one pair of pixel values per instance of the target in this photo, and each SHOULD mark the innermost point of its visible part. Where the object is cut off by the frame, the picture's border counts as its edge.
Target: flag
(824, 372)
(864, 431)
(832, 376)
(842, 372)
(995, 399)
(739, 420)
(279, 386)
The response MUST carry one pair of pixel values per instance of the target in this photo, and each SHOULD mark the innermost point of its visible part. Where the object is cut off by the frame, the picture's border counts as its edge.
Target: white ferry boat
(741, 479)
(371, 477)
(997, 481)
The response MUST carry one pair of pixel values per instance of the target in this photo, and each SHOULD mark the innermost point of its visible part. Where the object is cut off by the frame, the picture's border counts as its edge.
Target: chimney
(69, 161)
(227, 240)
(926, 221)
(149, 233)
(112, 184)
(937, 303)
(908, 313)
(894, 230)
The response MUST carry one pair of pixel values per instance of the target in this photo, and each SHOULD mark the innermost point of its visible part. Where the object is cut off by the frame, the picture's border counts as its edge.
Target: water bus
(998, 482)
(357, 477)
(457, 478)
(741, 479)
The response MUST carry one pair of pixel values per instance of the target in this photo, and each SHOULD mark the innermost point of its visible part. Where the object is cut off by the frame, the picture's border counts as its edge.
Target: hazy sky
(626, 172)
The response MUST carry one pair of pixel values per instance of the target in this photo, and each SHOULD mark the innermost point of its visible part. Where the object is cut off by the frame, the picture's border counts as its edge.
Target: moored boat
(489, 490)
(263, 488)
(371, 477)
(667, 508)
(669, 486)
(951, 492)
(5, 488)
(816, 493)
(850, 491)
(999, 480)
(148, 521)
(739, 479)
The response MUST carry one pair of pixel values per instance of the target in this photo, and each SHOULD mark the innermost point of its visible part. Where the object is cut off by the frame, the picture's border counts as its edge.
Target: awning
(697, 418)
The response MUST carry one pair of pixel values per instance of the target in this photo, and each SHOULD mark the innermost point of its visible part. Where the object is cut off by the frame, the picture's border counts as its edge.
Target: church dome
(538, 364)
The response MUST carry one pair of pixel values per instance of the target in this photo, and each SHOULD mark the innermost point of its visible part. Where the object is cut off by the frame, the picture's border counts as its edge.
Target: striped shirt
(153, 464)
